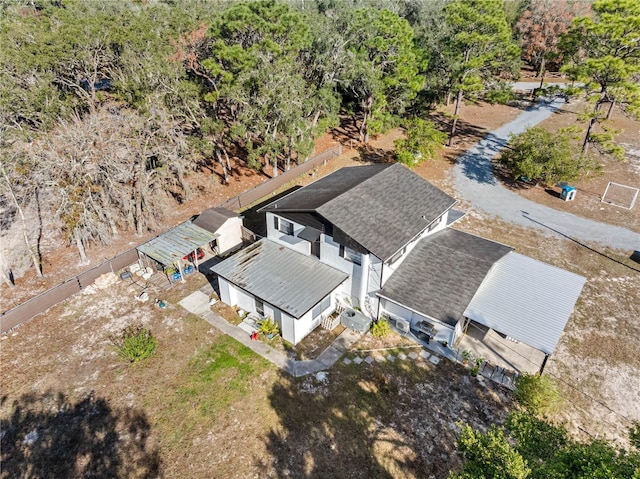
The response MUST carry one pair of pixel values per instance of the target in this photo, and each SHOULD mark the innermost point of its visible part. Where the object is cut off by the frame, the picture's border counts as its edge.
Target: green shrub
(423, 141)
(268, 326)
(380, 328)
(549, 157)
(466, 356)
(634, 434)
(135, 343)
(537, 393)
(476, 366)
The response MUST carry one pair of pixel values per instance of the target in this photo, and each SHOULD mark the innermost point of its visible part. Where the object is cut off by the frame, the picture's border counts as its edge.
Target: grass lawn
(206, 403)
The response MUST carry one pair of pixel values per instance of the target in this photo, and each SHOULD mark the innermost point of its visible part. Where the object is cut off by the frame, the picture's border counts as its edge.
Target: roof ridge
(369, 178)
(482, 237)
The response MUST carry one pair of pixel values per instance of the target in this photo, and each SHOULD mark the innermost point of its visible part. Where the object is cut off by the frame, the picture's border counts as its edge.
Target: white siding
(225, 291)
(389, 269)
(444, 332)
(288, 328)
(230, 235)
(233, 296)
(245, 301)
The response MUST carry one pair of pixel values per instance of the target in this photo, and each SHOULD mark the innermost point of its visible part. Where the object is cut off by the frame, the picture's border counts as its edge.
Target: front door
(315, 248)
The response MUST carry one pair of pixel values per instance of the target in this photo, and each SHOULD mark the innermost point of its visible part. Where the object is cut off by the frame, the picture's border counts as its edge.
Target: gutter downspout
(364, 281)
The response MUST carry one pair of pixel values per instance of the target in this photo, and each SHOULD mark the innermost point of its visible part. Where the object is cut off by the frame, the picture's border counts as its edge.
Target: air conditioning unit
(403, 325)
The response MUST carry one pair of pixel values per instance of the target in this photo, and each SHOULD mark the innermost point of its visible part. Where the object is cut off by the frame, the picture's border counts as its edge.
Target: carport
(173, 245)
(522, 304)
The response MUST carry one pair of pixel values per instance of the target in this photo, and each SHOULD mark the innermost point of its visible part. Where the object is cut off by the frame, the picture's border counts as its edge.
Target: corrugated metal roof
(442, 273)
(290, 281)
(527, 300)
(176, 243)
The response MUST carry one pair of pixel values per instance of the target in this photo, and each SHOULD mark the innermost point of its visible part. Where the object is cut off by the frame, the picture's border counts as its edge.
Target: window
(259, 307)
(319, 308)
(398, 255)
(350, 255)
(283, 226)
(435, 223)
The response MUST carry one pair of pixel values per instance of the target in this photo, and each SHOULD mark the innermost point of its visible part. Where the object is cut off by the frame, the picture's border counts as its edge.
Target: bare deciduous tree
(110, 170)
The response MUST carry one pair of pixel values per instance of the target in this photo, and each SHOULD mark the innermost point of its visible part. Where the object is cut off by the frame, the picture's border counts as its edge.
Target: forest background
(111, 111)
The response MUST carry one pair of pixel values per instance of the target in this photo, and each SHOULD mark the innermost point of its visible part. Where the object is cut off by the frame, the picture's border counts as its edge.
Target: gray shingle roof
(213, 218)
(527, 300)
(382, 207)
(442, 273)
(290, 281)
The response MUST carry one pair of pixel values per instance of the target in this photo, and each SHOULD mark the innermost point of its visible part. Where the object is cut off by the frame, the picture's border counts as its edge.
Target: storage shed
(225, 224)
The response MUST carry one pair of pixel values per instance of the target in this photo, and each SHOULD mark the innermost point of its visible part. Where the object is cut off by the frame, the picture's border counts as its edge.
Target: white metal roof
(174, 244)
(527, 300)
(291, 281)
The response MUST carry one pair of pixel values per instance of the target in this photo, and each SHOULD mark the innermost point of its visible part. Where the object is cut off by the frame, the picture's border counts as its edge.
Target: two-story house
(376, 237)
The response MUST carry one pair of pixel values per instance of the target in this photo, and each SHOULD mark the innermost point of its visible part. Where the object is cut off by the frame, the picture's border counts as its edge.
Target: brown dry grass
(590, 190)
(206, 407)
(205, 403)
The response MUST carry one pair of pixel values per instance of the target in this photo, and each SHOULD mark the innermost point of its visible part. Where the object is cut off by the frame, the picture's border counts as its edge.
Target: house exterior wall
(444, 332)
(292, 329)
(359, 284)
(390, 267)
(230, 235)
(225, 291)
(458, 332)
(233, 296)
(310, 320)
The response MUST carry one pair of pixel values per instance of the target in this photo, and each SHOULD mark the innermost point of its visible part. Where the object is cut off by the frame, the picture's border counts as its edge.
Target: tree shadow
(477, 161)
(256, 221)
(466, 133)
(379, 420)
(49, 436)
(504, 174)
(370, 154)
(347, 132)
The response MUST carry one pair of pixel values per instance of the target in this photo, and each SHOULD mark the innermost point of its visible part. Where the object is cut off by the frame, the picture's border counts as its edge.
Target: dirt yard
(204, 403)
(204, 406)
(590, 190)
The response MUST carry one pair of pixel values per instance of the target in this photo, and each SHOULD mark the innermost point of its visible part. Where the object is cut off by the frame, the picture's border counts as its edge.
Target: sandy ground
(255, 432)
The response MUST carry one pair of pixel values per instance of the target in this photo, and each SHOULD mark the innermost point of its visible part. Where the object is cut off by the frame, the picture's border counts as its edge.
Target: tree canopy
(604, 52)
(479, 46)
(531, 447)
(543, 156)
(109, 107)
(541, 26)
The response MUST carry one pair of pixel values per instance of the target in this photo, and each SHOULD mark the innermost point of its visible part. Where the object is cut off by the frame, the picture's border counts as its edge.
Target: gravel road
(475, 182)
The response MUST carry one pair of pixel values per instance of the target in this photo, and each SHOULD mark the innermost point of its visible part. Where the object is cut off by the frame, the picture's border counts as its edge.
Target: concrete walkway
(474, 181)
(198, 304)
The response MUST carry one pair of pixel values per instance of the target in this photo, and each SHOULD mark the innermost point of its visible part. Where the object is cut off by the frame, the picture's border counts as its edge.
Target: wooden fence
(249, 197)
(38, 304)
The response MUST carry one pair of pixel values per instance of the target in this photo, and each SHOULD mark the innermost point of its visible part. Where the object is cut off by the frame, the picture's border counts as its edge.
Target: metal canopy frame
(173, 245)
